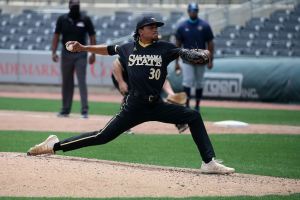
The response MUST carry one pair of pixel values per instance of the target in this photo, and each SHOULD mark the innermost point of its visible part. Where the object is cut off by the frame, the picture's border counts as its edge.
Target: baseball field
(153, 163)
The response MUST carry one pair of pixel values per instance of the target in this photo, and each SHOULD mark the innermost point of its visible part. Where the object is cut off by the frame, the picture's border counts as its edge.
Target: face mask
(74, 12)
(194, 18)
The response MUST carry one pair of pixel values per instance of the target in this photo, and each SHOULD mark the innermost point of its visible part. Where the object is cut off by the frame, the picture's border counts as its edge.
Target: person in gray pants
(194, 33)
(73, 26)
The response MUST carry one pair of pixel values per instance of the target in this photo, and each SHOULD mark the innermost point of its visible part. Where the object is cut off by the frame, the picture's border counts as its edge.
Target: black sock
(198, 96)
(207, 160)
(56, 146)
(187, 91)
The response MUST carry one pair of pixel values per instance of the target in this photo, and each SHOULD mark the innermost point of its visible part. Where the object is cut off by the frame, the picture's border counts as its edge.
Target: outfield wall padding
(259, 79)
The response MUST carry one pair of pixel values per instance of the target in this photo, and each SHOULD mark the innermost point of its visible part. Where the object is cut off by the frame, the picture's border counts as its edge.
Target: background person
(120, 81)
(73, 26)
(194, 33)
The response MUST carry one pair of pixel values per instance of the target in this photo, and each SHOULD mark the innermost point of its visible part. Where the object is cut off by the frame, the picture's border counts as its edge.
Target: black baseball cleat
(181, 127)
(62, 114)
(129, 132)
(84, 115)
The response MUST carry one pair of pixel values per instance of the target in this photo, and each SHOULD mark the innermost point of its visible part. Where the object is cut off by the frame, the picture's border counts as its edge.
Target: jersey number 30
(154, 73)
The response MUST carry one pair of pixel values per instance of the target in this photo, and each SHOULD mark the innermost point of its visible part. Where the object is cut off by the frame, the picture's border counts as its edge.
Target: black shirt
(147, 66)
(75, 30)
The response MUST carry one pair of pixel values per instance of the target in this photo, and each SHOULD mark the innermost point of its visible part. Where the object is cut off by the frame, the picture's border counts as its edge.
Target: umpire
(73, 26)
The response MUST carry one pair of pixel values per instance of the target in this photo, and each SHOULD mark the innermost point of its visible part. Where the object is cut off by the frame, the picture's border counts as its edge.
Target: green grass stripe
(255, 116)
(268, 197)
(271, 155)
(258, 116)
(52, 105)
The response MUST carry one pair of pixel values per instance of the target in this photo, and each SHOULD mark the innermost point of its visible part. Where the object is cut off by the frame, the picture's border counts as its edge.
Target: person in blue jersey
(146, 60)
(194, 33)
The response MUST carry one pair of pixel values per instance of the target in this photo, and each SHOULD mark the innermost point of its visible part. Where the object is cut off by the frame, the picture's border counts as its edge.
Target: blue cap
(193, 7)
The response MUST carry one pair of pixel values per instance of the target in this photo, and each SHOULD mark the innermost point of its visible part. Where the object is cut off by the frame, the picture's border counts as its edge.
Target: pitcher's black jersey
(147, 66)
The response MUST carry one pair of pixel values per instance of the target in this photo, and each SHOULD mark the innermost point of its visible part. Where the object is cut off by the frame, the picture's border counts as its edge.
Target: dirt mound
(60, 176)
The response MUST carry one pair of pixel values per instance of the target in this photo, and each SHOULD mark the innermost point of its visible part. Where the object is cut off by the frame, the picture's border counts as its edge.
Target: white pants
(192, 75)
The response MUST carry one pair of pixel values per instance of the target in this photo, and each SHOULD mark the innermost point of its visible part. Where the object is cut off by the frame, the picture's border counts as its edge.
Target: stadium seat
(248, 34)
(34, 29)
(277, 35)
(296, 53)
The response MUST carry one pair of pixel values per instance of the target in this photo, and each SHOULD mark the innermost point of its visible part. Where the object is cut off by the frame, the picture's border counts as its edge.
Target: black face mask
(193, 15)
(74, 12)
(193, 18)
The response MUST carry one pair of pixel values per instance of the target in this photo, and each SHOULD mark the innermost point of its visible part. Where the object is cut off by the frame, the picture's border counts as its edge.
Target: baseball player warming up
(146, 61)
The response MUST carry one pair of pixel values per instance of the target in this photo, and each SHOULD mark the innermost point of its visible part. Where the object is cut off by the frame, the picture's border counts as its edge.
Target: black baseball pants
(70, 63)
(136, 111)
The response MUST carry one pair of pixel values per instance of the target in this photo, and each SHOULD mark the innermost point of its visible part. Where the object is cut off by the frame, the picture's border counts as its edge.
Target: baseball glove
(195, 56)
(177, 98)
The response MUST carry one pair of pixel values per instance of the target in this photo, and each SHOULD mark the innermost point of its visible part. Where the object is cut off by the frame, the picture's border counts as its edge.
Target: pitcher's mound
(61, 176)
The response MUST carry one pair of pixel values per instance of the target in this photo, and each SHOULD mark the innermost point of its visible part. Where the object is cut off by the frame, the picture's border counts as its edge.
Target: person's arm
(168, 88)
(172, 97)
(75, 46)
(210, 48)
(177, 66)
(92, 36)
(92, 57)
(54, 46)
(118, 74)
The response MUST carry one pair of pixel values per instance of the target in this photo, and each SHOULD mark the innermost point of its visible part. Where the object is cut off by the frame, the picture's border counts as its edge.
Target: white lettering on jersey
(80, 24)
(145, 60)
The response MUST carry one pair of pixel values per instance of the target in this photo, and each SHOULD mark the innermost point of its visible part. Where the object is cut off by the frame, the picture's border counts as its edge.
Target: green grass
(255, 116)
(258, 116)
(51, 105)
(271, 155)
(268, 197)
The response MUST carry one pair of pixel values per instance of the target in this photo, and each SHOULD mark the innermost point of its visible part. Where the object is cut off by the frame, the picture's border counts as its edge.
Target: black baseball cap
(146, 21)
(74, 2)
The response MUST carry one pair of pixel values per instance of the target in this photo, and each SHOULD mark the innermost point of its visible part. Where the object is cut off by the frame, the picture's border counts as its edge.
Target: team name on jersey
(147, 60)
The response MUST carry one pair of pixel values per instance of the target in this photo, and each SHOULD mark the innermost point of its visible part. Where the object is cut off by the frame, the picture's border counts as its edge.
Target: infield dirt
(60, 176)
